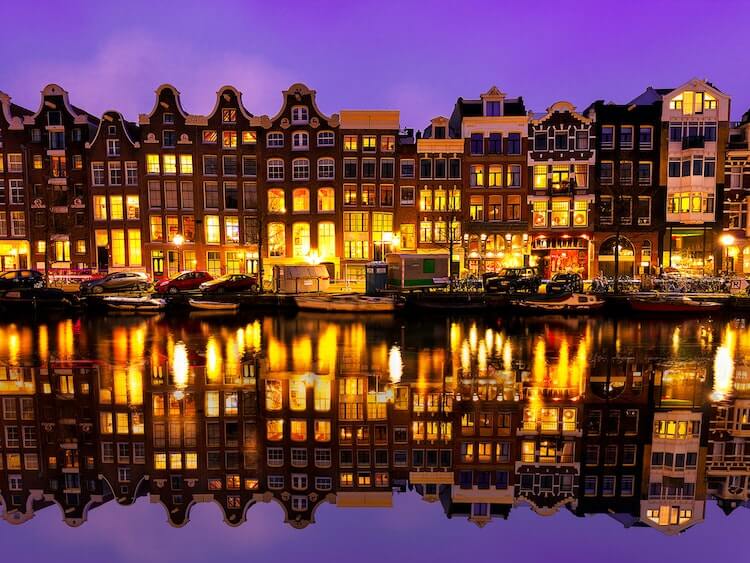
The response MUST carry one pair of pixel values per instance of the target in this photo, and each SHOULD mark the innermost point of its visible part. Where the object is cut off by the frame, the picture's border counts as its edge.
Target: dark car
(513, 280)
(565, 283)
(185, 281)
(15, 279)
(230, 283)
(117, 281)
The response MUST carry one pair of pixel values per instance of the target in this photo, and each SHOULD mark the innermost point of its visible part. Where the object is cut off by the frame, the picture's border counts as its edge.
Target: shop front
(493, 252)
(14, 255)
(691, 251)
(562, 253)
(636, 255)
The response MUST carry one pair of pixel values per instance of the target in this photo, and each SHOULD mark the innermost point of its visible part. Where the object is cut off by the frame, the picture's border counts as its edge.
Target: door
(157, 263)
(173, 262)
(102, 258)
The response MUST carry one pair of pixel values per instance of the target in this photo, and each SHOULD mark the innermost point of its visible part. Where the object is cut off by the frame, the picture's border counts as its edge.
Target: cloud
(124, 71)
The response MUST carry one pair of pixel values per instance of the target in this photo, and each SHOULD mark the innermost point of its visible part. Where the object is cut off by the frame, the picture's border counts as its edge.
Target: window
(495, 175)
(476, 208)
(210, 137)
(275, 140)
(300, 141)
(97, 173)
(513, 143)
(100, 208)
(407, 168)
(607, 139)
(249, 166)
(213, 231)
(626, 173)
(454, 168)
(350, 142)
(115, 207)
(644, 173)
(131, 173)
(152, 164)
(476, 177)
(326, 169)
(561, 140)
(582, 139)
(476, 143)
(645, 137)
(368, 168)
(229, 139)
(560, 213)
(249, 137)
(494, 144)
(387, 143)
(300, 169)
(299, 114)
(326, 139)
(211, 194)
(301, 200)
(275, 169)
(229, 164)
(606, 173)
(387, 168)
(367, 198)
(492, 108)
(626, 137)
(276, 239)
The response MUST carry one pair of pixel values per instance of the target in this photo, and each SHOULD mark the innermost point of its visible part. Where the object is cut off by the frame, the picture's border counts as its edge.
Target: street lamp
(178, 241)
(726, 240)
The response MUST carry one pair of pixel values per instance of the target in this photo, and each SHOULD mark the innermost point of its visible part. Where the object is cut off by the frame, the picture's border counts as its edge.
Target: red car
(184, 281)
(230, 283)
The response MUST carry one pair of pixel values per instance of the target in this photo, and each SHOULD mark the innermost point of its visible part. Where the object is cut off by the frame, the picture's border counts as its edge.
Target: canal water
(310, 436)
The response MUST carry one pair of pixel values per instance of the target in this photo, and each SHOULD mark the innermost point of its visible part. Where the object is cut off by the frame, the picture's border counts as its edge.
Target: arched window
(326, 239)
(326, 200)
(275, 169)
(326, 169)
(301, 169)
(301, 200)
(299, 114)
(300, 239)
(276, 239)
(300, 141)
(276, 201)
(326, 139)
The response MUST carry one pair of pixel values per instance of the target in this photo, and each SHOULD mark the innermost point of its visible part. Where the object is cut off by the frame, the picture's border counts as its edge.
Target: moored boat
(37, 299)
(135, 304)
(345, 303)
(681, 304)
(564, 303)
(202, 305)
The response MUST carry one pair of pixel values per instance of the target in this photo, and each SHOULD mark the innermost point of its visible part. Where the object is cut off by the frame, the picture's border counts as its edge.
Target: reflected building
(479, 419)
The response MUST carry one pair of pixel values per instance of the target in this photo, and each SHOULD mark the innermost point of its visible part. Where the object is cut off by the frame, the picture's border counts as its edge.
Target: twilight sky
(416, 57)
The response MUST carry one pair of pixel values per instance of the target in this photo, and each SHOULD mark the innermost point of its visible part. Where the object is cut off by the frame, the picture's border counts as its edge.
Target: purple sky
(412, 531)
(414, 57)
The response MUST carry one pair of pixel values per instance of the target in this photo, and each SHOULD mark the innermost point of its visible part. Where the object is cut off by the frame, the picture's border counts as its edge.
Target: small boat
(454, 302)
(135, 304)
(563, 303)
(213, 305)
(349, 303)
(681, 304)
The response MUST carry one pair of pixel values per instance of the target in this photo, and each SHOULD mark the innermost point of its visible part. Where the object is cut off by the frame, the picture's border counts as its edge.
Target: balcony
(693, 142)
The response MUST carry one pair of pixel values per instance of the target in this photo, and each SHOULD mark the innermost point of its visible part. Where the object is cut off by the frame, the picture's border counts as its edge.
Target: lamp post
(726, 240)
(178, 240)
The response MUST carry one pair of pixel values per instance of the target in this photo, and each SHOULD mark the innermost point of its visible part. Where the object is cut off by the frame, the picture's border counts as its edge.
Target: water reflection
(645, 422)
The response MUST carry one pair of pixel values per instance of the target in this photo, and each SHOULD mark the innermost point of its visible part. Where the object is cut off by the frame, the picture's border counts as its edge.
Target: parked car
(15, 279)
(184, 281)
(117, 281)
(513, 280)
(230, 283)
(565, 283)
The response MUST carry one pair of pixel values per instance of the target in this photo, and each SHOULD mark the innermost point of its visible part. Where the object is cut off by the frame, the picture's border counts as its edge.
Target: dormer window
(229, 115)
(440, 132)
(168, 118)
(112, 130)
(492, 109)
(299, 114)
